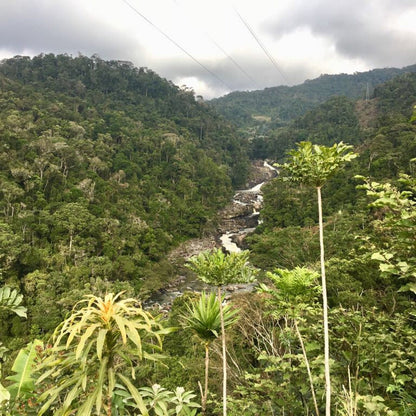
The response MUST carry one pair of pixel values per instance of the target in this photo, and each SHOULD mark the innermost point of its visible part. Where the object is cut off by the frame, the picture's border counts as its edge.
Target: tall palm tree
(97, 346)
(313, 165)
(204, 319)
(219, 269)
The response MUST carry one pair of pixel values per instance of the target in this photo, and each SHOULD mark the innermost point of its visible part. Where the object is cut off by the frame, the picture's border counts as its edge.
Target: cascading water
(237, 220)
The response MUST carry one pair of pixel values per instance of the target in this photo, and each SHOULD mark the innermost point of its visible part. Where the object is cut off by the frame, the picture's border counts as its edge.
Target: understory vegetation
(104, 168)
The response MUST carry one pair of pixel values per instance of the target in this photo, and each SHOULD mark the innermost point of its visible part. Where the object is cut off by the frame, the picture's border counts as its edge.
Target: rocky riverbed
(236, 220)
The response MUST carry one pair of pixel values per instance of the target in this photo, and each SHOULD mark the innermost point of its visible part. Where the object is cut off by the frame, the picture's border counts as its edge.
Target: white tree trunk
(325, 309)
(205, 395)
(224, 357)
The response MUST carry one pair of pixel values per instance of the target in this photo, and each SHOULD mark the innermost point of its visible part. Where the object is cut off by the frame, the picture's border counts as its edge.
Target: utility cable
(235, 62)
(273, 61)
(223, 51)
(176, 44)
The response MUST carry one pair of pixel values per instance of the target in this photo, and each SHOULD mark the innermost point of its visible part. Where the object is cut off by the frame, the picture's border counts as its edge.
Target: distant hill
(282, 104)
(338, 118)
(383, 133)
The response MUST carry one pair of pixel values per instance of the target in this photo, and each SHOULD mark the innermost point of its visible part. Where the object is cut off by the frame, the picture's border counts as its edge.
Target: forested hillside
(279, 105)
(104, 168)
(383, 132)
(370, 241)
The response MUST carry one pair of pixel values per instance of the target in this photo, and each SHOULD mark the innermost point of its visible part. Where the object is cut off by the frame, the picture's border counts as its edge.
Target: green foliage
(207, 318)
(371, 334)
(104, 168)
(162, 402)
(219, 269)
(371, 350)
(92, 349)
(10, 300)
(23, 367)
(314, 165)
(397, 95)
(203, 317)
(413, 117)
(293, 285)
(283, 103)
(393, 242)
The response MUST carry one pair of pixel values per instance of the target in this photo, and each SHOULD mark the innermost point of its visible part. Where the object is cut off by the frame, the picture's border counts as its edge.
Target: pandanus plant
(203, 318)
(219, 269)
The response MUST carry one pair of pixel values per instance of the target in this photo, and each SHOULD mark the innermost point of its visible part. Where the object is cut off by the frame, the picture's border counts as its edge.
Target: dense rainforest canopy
(104, 168)
(282, 104)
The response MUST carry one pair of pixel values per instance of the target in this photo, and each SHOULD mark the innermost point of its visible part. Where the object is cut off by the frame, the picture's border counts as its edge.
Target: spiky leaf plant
(219, 269)
(204, 319)
(100, 344)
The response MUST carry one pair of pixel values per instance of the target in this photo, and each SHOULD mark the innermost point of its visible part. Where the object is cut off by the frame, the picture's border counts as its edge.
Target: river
(237, 220)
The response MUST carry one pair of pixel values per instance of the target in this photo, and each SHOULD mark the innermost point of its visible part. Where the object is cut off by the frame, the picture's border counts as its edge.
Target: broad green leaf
(23, 367)
(409, 287)
(4, 394)
(135, 394)
(378, 256)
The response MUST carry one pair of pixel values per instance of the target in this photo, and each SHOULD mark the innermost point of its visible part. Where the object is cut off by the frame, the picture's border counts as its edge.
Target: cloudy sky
(218, 46)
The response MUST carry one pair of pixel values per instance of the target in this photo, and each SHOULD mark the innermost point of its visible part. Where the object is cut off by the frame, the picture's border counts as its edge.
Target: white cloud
(187, 41)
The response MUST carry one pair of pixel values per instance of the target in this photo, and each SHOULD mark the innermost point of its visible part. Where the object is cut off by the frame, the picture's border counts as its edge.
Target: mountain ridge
(283, 103)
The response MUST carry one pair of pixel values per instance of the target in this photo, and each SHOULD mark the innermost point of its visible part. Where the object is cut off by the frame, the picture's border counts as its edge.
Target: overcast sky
(218, 46)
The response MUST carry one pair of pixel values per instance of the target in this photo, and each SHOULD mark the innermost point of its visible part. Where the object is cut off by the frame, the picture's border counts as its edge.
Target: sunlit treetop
(313, 164)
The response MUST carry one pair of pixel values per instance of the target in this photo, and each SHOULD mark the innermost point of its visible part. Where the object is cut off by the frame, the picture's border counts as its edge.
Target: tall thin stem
(224, 357)
(325, 308)
(205, 392)
(308, 368)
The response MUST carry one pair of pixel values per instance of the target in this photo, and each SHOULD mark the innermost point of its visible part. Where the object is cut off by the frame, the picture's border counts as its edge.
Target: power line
(176, 44)
(273, 61)
(223, 51)
(234, 62)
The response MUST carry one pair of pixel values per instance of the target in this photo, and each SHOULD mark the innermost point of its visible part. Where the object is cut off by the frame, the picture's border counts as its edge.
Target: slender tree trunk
(325, 309)
(224, 357)
(308, 369)
(205, 392)
(109, 407)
